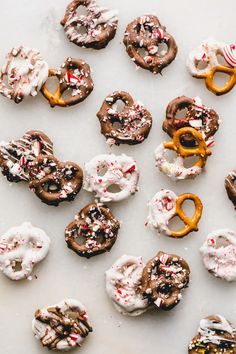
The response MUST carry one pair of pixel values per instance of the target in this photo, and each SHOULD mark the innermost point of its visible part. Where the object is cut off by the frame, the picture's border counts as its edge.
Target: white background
(76, 135)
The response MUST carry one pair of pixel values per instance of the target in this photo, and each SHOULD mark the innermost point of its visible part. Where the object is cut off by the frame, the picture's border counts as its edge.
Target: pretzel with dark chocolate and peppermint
(74, 74)
(146, 32)
(99, 23)
(163, 278)
(94, 231)
(134, 118)
(198, 116)
(54, 181)
(17, 155)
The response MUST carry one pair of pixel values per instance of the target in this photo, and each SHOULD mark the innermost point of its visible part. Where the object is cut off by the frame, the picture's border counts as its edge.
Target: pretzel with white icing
(25, 72)
(123, 285)
(207, 53)
(21, 247)
(165, 205)
(219, 254)
(99, 23)
(106, 171)
(176, 170)
(62, 326)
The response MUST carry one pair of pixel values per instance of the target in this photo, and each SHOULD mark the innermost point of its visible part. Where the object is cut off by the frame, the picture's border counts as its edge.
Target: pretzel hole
(170, 155)
(142, 52)
(221, 60)
(102, 170)
(176, 224)
(114, 188)
(51, 187)
(190, 161)
(188, 208)
(221, 241)
(119, 105)
(181, 113)
(82, 30)
(117, 125)
(67, 94)
(17, 266)
(72, 315)
(162, 49)
(221, 79)
(201, 64)
(52, 83)
(82, 10)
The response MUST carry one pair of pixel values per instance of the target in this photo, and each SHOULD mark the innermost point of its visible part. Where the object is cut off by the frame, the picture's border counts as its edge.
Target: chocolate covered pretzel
(146, 33)
(163, 278)
(198, 116)
(74, 75)
(215, 335)
(62, 326)
(135, 121)
(95, 29)
(53, 181)
(94, 231)
(230, 186)
(17, 155)
(23, 74)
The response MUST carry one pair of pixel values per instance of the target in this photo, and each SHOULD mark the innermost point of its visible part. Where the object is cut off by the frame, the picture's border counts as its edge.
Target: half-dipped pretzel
(134, 121)
(111, 177)
(23, 74)
(163, 278)
(215, 335)
(176, 170)
(74, 75)
(165, 205)
(146, 33)
(207, 54)
(62, 326)
(17, 155)
(94, 231)
(21, 248)
(53, 181)
(230, 186)
(99, 24)
(219, 254)
(123, 285)
(198, 116)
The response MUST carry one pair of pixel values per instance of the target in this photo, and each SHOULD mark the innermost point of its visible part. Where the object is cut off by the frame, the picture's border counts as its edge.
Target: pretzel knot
(166, 205)
(54, 181)
(163, 278)
(146, 33)
(94, 231)
(74, 75)
(208, 54)
(177, 170)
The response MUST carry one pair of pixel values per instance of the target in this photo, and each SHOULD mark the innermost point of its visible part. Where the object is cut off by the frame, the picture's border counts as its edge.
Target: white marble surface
(76, 136)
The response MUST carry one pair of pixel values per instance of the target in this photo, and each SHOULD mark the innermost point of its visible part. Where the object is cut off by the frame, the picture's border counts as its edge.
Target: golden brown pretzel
(209, 79)
(200, 150)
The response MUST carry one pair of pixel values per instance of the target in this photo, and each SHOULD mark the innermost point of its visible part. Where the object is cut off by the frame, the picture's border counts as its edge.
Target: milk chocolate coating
(94, 231)
(209, 118)
(98, 35)
(230, 186)
(160, 283)
(20, 153)
(226, 341)
(54, 181)
(135, 120)
(146, 32)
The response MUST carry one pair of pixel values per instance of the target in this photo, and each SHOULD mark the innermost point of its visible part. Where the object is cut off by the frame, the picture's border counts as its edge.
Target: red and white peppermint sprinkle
(72, 78)
(22, 161)
(74, 337)
(129, 168)
(36, 148)
(160, 33)
(158, 302)
(229, 55)
(164, 258)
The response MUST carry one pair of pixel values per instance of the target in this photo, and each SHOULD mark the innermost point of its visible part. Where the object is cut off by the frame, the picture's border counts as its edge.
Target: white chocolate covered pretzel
(21, 248)
(219, 254)
(106, 171)
(25, 72)
(123, 285)
(62, 326)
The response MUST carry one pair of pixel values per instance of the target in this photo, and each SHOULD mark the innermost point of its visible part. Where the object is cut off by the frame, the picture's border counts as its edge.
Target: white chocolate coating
(24, 244)
(219, 254)
(25, 72)
(175, 170)
(45, 332)
(123, 280)
(161, 209)
(120, 170)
